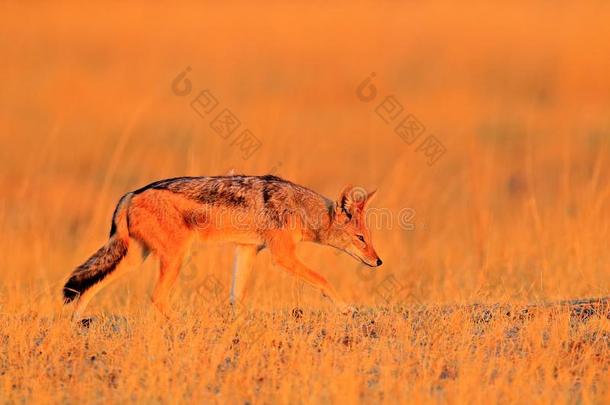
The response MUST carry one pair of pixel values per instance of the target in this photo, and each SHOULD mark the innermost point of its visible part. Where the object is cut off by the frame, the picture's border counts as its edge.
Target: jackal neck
(317, 226)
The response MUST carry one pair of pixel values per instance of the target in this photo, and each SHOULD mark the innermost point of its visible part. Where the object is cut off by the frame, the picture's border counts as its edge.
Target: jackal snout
(372, 262)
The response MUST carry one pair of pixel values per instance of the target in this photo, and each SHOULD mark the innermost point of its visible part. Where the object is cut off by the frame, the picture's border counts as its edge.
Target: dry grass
(516, 211)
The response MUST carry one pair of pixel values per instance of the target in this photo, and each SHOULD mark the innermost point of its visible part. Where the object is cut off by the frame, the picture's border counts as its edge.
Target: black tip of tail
(70, 291)
(94, 270)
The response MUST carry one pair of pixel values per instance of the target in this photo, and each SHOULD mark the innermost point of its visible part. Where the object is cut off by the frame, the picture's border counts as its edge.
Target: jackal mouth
(375, 263)
(378, 263)
(360, 259)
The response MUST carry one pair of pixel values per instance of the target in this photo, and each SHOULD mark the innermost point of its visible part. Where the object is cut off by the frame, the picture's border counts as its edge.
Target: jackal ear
(351, 201)
(343, 206)
(369, 197)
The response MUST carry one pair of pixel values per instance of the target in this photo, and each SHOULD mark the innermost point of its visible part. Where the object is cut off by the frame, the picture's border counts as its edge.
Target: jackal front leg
(285, 257)
(244, 261)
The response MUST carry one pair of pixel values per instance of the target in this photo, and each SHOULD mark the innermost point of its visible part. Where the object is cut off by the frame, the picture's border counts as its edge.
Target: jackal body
(254, 212)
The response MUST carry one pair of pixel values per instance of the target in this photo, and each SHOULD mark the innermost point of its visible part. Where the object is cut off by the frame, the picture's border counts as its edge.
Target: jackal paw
(346, 309)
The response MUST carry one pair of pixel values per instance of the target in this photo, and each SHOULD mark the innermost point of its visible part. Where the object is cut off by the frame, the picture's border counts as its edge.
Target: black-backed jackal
(254, 212)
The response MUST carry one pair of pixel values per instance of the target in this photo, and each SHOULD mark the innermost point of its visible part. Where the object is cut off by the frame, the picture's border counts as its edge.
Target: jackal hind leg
(168, 238)
(242, 269)
(169, 269)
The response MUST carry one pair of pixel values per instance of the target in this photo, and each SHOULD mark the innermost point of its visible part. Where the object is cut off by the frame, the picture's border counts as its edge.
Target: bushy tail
(106, 259)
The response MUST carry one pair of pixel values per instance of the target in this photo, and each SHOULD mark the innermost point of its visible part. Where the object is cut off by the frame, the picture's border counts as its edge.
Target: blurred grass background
(519, 94)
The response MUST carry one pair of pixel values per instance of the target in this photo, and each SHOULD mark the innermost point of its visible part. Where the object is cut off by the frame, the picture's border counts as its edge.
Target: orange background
(519, 96)
(516, 210)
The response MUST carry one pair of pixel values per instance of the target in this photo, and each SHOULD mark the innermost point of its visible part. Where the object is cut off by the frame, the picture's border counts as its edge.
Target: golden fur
(254, 212)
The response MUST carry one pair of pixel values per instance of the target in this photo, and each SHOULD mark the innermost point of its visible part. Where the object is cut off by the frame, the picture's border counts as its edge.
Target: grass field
(516, 211)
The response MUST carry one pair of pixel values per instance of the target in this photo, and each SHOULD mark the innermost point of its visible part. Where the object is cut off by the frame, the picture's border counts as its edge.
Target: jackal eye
(360, 237)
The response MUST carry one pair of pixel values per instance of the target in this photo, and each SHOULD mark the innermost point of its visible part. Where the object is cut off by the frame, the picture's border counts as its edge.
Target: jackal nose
(379, 262)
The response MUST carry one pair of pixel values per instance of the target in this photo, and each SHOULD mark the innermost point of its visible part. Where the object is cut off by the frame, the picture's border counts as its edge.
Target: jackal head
(348, 230)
